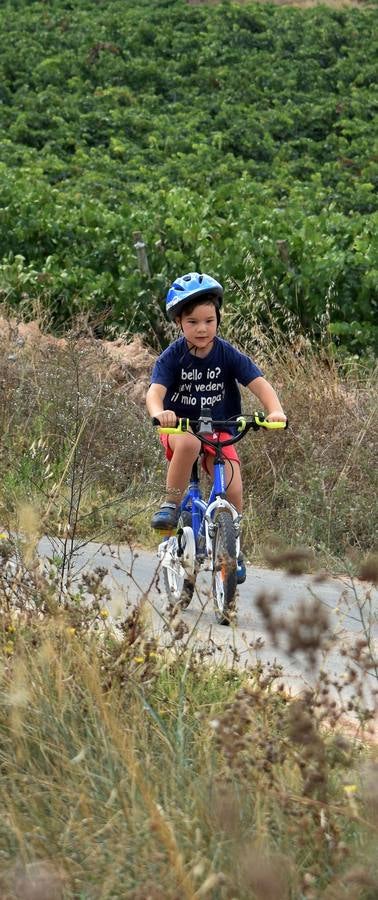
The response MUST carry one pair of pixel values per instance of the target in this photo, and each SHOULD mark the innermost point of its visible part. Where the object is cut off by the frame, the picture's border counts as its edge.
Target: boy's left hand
(276, 416)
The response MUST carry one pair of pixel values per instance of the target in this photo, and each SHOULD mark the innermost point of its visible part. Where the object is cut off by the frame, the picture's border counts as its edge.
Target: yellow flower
(104, 613)
(9, 648)
(70, 631)
(3, 536)
(139, 659)
(11, 629)
(350, 789)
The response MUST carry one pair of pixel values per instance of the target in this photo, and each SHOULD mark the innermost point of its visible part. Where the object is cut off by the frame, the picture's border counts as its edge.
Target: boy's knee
(187, 445)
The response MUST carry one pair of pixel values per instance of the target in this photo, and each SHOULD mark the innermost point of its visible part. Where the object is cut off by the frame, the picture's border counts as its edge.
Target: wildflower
(3, 536)
(139, 659)
(104, 613)
(70, 631)
(350, 789)
(9, 648)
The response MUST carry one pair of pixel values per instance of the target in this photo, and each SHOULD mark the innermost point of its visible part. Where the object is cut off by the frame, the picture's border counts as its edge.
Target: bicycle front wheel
(224, 567)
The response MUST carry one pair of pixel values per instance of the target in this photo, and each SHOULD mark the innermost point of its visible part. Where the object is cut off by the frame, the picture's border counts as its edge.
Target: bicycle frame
(207, 528)
(202, 511)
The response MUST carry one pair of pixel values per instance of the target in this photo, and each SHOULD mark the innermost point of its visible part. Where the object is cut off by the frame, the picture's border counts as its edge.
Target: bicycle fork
(211, 525)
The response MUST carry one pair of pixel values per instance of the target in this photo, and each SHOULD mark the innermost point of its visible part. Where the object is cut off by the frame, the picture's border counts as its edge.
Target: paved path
(135, 574)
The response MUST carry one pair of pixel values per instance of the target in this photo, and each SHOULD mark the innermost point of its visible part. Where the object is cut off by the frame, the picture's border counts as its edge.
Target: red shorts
(229, 452)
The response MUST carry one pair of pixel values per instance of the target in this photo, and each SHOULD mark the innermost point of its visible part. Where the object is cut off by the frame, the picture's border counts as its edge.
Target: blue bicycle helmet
(185, 289)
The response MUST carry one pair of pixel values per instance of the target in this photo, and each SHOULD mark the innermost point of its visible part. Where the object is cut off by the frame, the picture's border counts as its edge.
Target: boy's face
(199, 326)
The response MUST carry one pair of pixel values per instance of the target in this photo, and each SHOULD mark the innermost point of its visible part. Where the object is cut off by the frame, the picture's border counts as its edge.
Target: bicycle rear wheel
(224, 567)
(178, 588)
(178, 585)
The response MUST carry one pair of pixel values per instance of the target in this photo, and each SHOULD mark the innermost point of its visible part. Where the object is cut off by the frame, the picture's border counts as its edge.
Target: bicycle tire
(179, 588)
(224, 582)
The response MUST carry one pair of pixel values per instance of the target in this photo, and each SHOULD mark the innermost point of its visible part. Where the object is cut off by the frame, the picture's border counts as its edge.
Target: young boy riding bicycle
(198, 374)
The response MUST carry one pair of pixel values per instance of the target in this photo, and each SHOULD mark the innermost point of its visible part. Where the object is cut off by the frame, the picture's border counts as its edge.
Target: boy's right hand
(167, 418)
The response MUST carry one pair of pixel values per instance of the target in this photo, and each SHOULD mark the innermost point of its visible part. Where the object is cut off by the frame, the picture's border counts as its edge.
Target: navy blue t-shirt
(209, 385)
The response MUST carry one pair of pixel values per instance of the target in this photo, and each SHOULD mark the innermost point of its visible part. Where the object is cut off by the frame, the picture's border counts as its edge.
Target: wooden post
(141, 253)
(283, 251)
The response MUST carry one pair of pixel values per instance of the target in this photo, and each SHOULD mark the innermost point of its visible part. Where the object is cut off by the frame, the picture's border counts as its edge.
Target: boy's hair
(201, 300)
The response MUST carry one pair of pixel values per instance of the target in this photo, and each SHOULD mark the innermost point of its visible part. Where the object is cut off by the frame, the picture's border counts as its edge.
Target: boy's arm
(155, 405)
(264, 392)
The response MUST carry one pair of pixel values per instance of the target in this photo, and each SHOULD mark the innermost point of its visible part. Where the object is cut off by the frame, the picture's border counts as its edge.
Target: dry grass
(137, 767)
(130, 769)
(78, 447)
(314, 485)
(73, 443)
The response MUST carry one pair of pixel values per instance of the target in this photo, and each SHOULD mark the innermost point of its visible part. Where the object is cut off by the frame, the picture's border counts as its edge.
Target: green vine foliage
(234, 138)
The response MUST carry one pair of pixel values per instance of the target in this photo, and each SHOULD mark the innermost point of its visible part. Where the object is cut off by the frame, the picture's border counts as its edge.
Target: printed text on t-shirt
(210, 390)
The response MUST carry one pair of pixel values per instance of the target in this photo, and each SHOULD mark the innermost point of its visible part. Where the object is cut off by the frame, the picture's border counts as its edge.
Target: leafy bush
(123, 119)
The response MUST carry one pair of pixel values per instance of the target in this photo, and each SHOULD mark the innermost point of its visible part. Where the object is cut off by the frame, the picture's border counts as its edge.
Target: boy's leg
(185, 449)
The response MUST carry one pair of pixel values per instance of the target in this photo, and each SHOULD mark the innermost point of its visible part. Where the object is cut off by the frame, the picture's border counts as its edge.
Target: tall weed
(134, 766)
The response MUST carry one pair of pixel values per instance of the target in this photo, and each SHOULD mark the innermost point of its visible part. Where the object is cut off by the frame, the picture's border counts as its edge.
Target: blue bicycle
(207, 529)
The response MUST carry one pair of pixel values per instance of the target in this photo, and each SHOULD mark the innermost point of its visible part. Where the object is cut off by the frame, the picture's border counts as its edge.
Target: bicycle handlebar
(205, 426)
